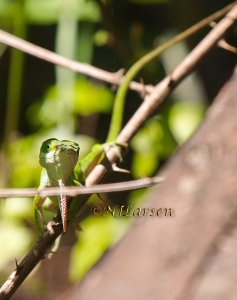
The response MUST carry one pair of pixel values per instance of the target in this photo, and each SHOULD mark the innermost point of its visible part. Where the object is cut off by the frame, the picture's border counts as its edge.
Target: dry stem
(161, 91)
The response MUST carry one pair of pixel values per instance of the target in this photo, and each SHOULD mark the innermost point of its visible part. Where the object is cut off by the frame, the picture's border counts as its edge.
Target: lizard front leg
(38, 203)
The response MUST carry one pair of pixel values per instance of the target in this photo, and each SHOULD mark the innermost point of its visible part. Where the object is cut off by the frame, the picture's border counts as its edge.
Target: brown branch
(161, 91)
(193, 254)
(73, 191)
(38, 252)
(165, 87)
(82, 68)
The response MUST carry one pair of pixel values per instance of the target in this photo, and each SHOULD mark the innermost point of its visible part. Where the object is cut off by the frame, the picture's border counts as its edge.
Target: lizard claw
(118, 148)
(50, 225)
(117, 169)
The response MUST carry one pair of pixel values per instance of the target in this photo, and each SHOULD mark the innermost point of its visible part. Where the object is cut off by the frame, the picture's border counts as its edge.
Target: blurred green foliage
(184, 118)
(102, 231)
(48, 12)
(18, 237)
(88, 98)
(70, 106)
(152, 143)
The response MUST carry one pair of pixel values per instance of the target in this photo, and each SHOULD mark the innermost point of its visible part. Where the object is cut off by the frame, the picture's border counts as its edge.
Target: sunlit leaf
(101, 37)
(152, 143)
(91, 98)
(184, 117)
(88, 98)
(49, 11)
(23, 157)
(7, 8)
(17, 208)
(144, 163)
(99, 232)
(18, 241)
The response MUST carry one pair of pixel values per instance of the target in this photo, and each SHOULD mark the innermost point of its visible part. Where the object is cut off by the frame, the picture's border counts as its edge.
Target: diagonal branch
(195, 251)
(116, 121)
(83, 68)
(161, 91)
(165, 87)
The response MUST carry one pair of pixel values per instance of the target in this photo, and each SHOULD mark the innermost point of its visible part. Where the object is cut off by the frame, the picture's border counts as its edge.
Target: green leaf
(15, 241)
(97, 235)
(91, 98)
(101, 37)
(88, 98)
(184, 117)
(23, 158)
(7, 8)
(49, 11)
(141, 169)
(151, 144)
(17, 209)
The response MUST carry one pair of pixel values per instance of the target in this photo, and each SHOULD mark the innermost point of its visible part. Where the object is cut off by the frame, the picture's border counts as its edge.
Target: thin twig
(161, 91)
(223, 44)
(73, 191)
(117, 115)
(164, 89)
(82, 68)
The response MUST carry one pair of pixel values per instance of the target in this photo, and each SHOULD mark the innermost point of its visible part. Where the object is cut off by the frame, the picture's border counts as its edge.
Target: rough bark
(191, 255)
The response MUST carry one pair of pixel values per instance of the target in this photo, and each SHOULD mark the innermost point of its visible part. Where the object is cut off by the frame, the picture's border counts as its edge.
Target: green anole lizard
(61, 167)
(59, 158)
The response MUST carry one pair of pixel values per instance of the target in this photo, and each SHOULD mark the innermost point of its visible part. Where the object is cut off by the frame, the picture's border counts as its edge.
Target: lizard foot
(50, 226)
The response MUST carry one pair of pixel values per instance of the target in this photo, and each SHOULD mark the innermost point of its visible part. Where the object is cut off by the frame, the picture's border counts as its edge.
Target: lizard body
(61, 167)
(58, 158)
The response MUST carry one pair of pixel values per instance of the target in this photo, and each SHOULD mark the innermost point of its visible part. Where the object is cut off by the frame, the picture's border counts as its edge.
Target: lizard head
(59, 157)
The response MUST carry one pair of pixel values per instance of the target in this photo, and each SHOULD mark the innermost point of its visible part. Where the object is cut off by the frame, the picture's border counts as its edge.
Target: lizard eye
(47, 148)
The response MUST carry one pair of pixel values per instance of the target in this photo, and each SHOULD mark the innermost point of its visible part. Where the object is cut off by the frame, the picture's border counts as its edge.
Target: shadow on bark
(191, 255)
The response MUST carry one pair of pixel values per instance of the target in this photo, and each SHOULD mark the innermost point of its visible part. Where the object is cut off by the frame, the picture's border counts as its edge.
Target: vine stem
(161, 91)
(117, 115)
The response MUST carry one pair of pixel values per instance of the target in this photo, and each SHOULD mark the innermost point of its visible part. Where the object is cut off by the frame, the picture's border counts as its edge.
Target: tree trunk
(191, 255)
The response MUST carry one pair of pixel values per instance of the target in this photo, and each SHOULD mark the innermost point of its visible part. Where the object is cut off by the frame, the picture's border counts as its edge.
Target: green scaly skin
(58, 158)
(61, 167)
